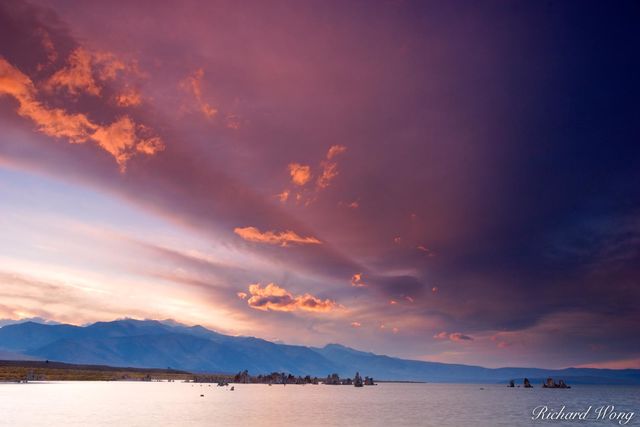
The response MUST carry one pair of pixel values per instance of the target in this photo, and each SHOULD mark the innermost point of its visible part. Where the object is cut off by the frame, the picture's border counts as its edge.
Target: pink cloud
(454, 336)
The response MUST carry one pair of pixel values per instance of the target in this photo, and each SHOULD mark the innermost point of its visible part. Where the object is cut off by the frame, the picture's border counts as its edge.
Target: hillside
(155, 344)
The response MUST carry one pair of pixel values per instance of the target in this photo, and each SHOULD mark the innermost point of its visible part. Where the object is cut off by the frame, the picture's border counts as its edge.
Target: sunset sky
(446, 181)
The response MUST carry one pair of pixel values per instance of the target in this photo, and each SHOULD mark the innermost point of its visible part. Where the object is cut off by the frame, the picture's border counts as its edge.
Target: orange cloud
(193, 84)
(121, 139)
(273, 297)
(356, 324)
(242, 295)
(329, 172)
(283, 238)
(356, 281)
(330, 169)
(77, 76)
(108, 65)
(129, 98)
(300, 174)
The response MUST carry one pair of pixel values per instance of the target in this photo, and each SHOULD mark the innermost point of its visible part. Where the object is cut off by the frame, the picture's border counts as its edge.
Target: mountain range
(162, 344)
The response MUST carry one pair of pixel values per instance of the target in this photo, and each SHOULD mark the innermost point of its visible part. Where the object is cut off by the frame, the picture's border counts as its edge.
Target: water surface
(389, 404)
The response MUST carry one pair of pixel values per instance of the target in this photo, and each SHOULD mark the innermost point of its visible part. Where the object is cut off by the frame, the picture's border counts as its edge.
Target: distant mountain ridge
(162, 344)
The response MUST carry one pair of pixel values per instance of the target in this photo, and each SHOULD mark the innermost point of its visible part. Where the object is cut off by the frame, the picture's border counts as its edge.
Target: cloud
(76, 77)
(283, 238)
(356, 324)
(329, 172)
(284, 196)
(108, 65)
(82, 69)
(329, 168)
(129, 98)
(122, 138)
(242, 295)
(47, 44)
(335, 150)
(193, 85)
(455, 336)
(273, 297)
(426, 250)
(356, 281)
(300, 174)
(458, 336)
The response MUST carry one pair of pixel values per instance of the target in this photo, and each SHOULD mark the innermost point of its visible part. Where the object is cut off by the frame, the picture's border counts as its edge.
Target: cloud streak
(193, 85)
(283, 238)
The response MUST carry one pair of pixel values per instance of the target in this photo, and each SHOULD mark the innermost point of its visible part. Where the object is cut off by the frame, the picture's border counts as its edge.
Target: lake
(388, 404)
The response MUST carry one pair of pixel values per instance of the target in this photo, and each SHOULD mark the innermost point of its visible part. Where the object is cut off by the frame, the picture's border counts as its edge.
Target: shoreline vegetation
(23, 371)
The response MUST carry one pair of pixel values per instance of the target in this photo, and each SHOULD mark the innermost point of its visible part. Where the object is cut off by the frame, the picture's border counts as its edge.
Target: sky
(445, 181)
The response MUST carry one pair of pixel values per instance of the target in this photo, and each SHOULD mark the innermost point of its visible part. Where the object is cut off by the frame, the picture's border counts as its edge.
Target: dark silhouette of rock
(357, 381)
(551, 384)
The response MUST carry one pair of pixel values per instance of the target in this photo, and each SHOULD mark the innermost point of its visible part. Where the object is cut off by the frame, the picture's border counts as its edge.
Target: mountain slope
(154, 344)
(399, 369)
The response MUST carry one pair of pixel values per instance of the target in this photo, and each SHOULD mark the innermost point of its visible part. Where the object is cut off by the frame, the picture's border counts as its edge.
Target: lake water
(390, 404)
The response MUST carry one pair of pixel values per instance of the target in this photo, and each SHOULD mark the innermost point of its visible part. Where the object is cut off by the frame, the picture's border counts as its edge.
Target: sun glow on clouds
(122, 139)
(47, 269)
(193, 85)
(273, 297)
(356, 281)
(300, 174)
(283, 238)
(77, 77)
